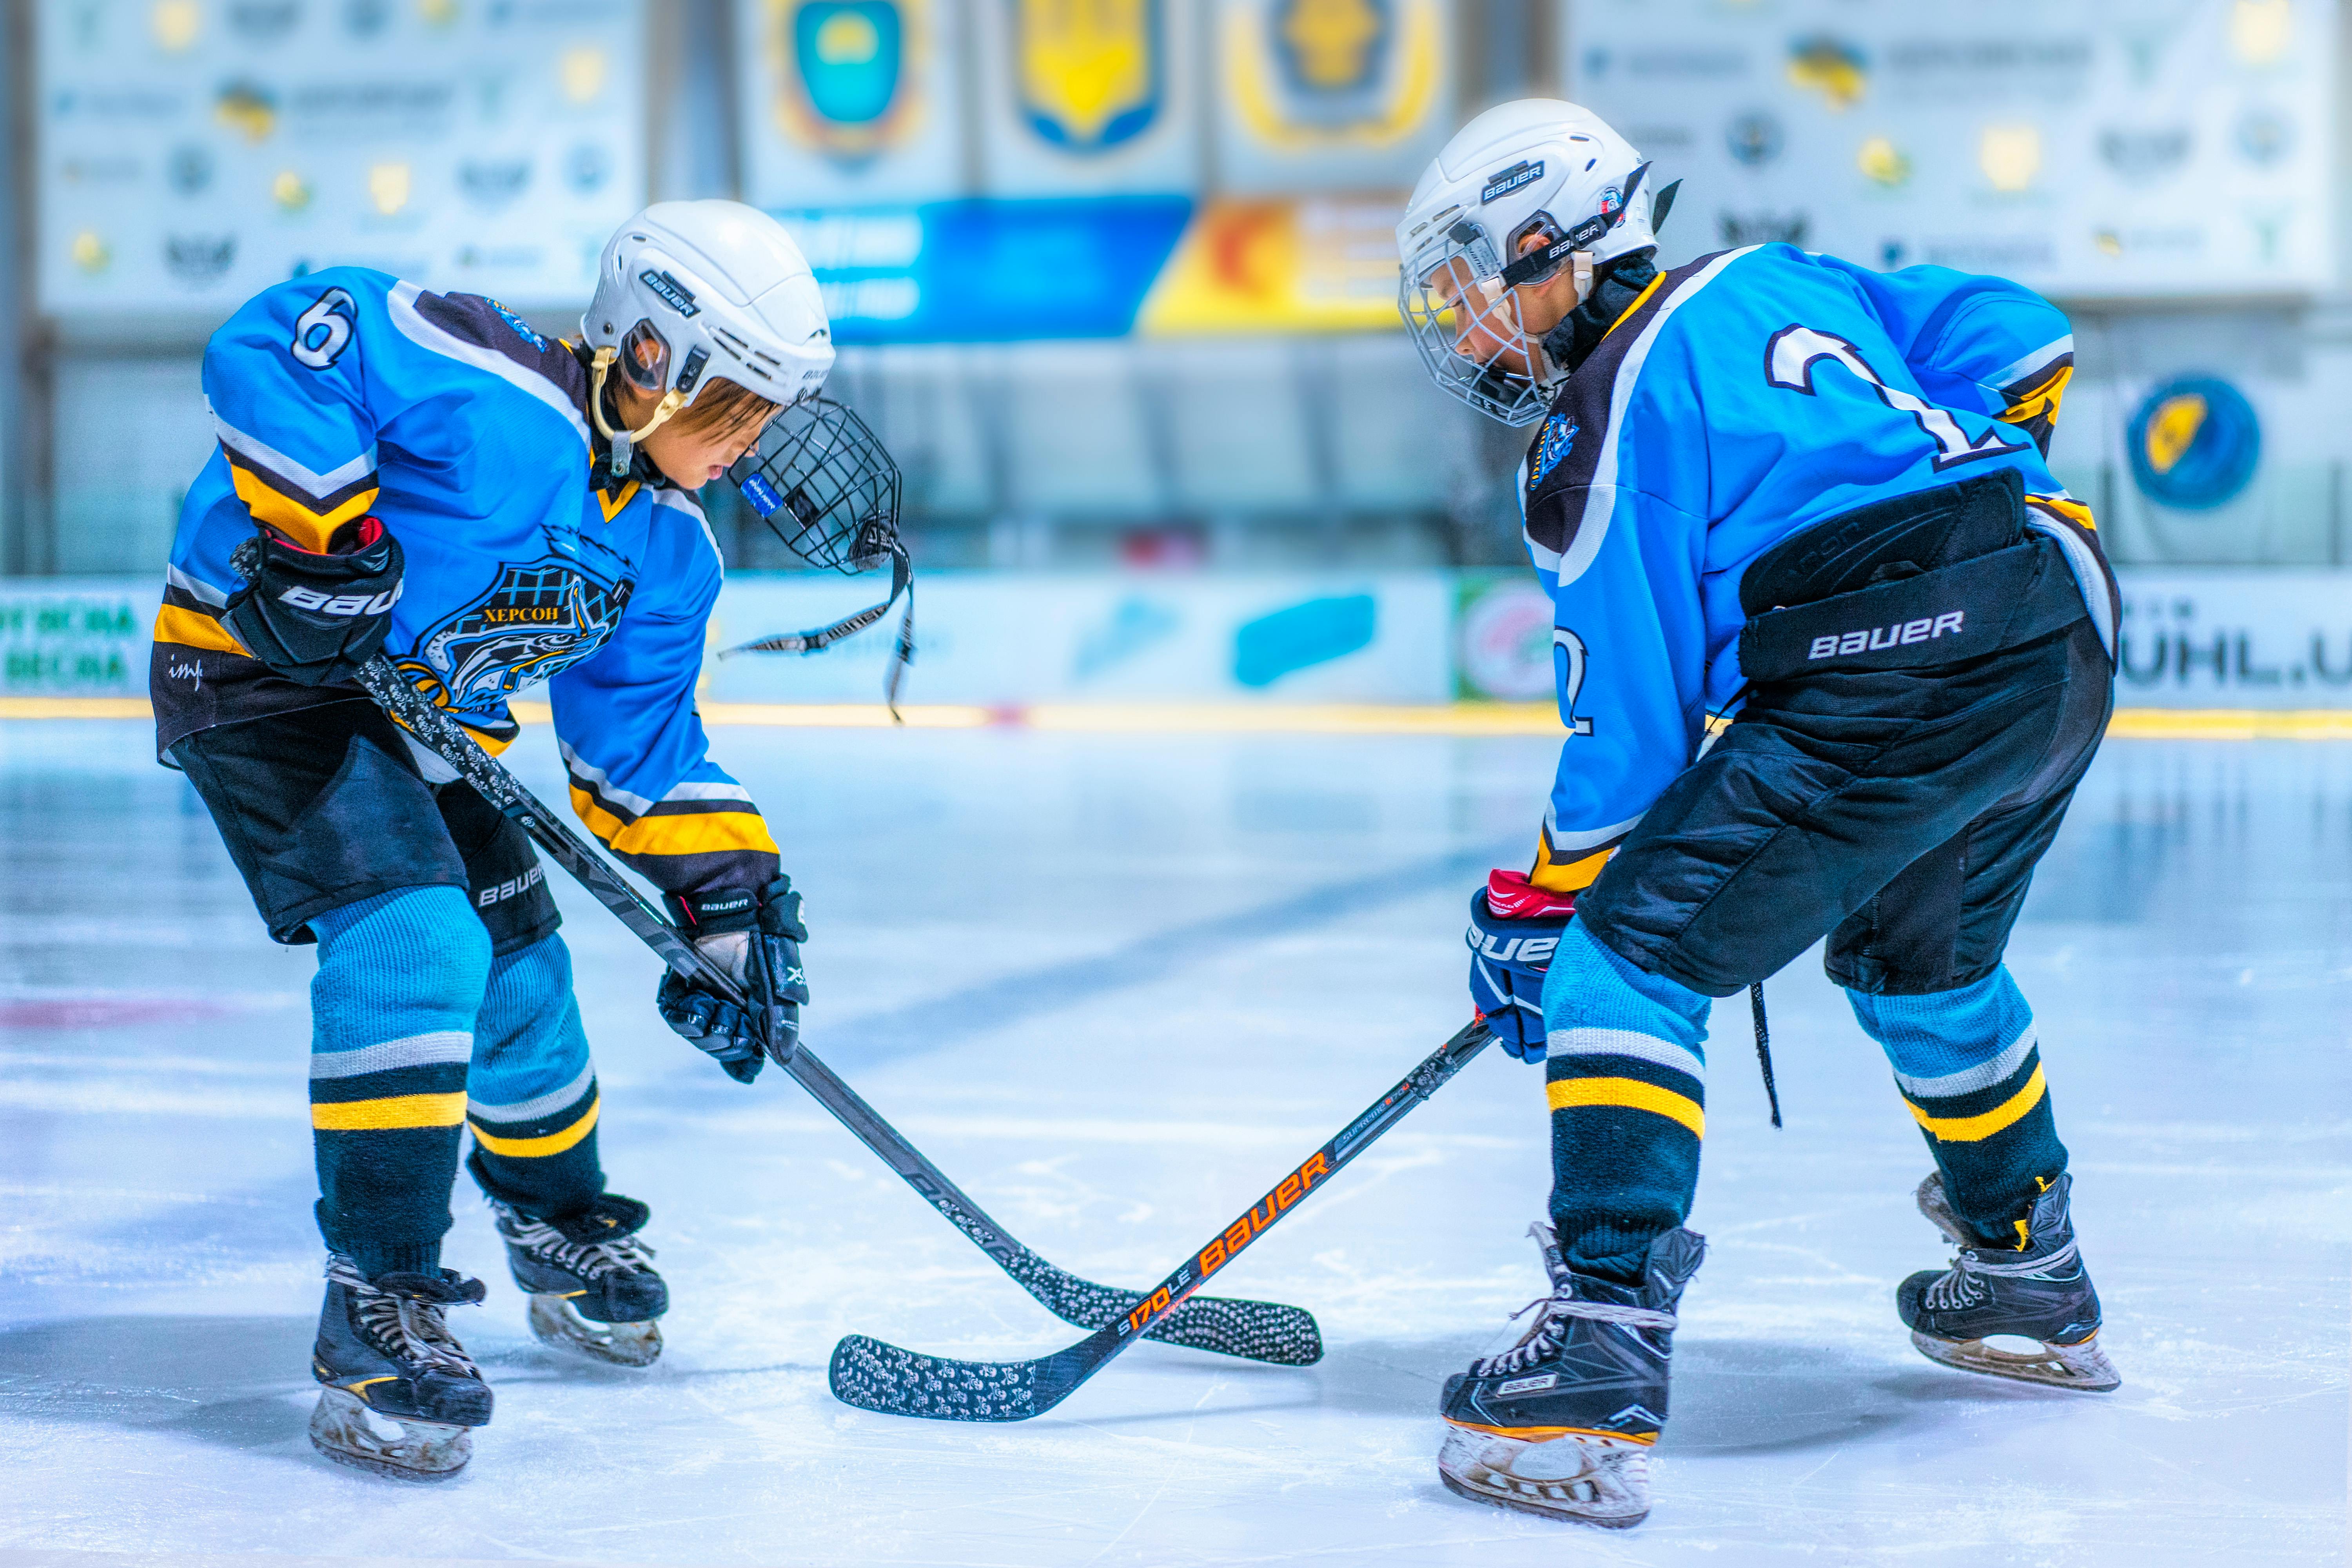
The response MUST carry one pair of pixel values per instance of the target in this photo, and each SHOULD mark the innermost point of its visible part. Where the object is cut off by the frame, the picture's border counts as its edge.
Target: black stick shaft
(449, 739)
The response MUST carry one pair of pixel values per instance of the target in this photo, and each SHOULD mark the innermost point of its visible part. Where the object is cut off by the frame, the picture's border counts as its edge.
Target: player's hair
(725, 407)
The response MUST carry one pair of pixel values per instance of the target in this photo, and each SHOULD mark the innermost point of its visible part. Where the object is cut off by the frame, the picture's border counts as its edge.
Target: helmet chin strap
(624, 442)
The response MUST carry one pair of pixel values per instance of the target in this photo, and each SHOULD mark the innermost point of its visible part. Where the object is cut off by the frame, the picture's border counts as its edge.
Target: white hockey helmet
(688, 292)
(1537, 166)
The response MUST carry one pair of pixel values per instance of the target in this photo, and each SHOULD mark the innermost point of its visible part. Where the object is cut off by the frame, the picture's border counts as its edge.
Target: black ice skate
(590, 1281)
(401, 1396)
(2042, 1293)
(1562, 1424)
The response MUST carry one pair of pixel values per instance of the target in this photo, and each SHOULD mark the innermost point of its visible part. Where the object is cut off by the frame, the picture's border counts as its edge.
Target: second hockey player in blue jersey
(1833, 650)
(427, 477)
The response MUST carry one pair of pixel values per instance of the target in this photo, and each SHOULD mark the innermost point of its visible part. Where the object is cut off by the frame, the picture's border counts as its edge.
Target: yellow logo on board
(1334, 44)
(1308, 75)
(2172, 429)
(1088, 71)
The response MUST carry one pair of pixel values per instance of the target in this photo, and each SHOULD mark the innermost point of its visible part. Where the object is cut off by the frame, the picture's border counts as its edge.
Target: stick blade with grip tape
(1256, 1330)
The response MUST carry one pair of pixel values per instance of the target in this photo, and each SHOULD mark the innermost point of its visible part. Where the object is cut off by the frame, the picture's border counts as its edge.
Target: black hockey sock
(1628, 1107)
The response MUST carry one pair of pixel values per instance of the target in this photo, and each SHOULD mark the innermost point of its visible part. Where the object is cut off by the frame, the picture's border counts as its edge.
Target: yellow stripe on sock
(400, 1110)
(1632, 1094)
(1976, 1129)
(540, 1147)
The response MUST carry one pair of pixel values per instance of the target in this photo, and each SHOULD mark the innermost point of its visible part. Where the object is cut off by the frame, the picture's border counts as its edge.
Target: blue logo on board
(2194, 443)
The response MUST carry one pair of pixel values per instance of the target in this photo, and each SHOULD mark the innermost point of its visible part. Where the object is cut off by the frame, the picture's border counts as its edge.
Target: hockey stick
(878, 1376)
(1260, 1331)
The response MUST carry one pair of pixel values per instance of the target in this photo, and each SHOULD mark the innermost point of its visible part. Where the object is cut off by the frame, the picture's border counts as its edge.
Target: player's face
(689, 457)
(693, 458)
(1487, 326)
(1502, 327)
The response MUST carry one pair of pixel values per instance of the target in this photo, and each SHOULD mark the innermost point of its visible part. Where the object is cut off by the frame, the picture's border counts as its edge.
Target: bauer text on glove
(316, 617)
(752, 938)
(1514, 930)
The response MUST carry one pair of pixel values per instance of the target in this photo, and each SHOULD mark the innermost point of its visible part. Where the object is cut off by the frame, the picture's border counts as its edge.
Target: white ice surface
(1114, 986)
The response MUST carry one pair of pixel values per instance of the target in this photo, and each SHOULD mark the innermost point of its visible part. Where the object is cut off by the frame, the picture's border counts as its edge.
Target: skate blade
(1601, 1482)
(555, 1323)
(2084, 1367)
(346, 1431)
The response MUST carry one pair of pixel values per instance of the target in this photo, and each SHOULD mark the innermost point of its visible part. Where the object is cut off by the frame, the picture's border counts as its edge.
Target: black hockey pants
(1894, 798)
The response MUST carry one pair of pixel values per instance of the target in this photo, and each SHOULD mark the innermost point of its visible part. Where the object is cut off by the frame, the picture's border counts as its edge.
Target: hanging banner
(1087, 96)
(1305, 264)
(1314, 94)
(988, 272)
(189, 154)
(2161, 148)
(849, 102)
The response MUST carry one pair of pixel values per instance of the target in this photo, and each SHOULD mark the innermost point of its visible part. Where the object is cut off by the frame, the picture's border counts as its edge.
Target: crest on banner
(1329, 73)
(1090, 74)
(847, 72)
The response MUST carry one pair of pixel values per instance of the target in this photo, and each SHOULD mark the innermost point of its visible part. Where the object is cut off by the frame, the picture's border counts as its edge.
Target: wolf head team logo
(1090, 74)
(1552, 447)
(1303, 74)
(847, 71)
(535, 622)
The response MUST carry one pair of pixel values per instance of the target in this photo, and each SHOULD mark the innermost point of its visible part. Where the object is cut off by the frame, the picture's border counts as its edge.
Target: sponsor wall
(1073, 208)
(2177, 148)
(2267, 639)
(189, 154)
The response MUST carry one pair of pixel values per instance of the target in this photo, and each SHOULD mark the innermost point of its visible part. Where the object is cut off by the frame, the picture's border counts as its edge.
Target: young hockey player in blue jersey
(426, 477)
(1833, 650)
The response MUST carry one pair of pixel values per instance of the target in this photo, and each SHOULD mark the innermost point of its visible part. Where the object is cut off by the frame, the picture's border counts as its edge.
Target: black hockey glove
(316, 619)
(755, 939)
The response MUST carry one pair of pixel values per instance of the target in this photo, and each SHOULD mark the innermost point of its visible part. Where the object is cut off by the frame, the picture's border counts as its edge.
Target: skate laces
(589, 1259)
(1545, 1337)
(1959, 1286)
(411, 1330)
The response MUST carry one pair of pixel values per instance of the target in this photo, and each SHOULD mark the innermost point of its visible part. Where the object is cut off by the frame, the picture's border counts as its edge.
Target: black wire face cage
(824, 482)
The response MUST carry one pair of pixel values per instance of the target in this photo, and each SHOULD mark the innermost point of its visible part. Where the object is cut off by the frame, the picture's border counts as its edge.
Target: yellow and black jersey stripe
(699, 833)
(2031, 390)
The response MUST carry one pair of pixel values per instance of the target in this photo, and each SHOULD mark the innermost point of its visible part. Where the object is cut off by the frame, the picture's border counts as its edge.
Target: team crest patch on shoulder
(1552, 447)
(522, 329)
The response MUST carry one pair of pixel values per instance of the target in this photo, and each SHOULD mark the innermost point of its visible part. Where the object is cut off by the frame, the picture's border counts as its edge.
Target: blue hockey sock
(392, 1016)
(531, 1095)
(1969, 1066)
(1623, 1075)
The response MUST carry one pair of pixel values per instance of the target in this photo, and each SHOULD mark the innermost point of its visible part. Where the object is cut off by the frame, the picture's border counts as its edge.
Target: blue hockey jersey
(348, 393)
(1740, 400)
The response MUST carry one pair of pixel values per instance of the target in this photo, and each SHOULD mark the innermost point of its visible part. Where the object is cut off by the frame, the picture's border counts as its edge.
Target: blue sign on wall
(990, 271)
(2194, 442)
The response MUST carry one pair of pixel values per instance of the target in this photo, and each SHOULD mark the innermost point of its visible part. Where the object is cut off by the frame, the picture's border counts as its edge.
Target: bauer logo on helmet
(1519, 173)
(670, 291)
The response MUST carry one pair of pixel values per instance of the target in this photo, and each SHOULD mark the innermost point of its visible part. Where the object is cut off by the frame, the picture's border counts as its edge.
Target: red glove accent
(360, 533)
(1510, 895)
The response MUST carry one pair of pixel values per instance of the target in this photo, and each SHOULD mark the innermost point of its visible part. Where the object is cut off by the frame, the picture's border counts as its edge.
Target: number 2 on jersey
(1789, 362)
(1571, 677)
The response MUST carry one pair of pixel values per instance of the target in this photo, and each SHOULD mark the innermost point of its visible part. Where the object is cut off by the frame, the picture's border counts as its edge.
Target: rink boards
(1177, 651)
